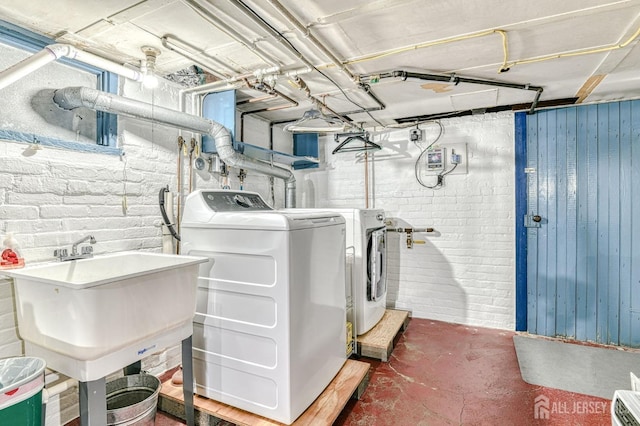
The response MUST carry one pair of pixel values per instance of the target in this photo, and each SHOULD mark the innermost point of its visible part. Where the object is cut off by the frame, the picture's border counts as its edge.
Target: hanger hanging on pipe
(353, 137)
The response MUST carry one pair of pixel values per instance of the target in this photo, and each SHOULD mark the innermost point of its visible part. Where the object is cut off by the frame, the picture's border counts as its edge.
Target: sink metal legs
(187, 379)
(93, 402)
(93, 395)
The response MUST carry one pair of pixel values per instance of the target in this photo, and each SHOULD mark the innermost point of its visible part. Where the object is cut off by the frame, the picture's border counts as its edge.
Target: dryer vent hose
(164, 213)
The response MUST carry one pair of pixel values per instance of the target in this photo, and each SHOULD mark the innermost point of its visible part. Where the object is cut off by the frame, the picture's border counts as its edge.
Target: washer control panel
(234, 201)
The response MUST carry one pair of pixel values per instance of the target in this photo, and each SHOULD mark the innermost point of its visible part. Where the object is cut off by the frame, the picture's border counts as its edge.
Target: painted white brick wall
(51, 197)
(465, 272)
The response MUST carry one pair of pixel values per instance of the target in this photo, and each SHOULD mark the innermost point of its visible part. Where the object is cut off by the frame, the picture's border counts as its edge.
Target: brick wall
(465, 271)
(52, 197)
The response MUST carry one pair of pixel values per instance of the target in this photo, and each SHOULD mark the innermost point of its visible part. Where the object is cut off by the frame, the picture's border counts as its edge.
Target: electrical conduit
(76, 97)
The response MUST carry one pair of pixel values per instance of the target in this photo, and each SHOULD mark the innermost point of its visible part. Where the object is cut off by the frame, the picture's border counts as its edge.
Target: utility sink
(88, 318)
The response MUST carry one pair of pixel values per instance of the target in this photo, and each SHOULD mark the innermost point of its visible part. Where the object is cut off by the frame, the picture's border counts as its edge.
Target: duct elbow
(70, 97)
(290, 192)
(226, 152)
(224, 144)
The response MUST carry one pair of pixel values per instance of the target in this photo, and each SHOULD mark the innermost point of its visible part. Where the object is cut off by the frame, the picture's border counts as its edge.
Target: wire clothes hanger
(362, 136)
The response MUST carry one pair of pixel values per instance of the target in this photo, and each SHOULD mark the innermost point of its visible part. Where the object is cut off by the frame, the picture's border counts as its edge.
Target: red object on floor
(450, 374)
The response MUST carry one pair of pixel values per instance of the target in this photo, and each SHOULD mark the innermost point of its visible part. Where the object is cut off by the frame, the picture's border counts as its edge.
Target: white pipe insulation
(75, 97)
(52, 53)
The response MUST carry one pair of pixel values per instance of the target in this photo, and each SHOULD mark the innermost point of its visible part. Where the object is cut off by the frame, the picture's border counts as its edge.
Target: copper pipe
(181, 143)
(366, 179)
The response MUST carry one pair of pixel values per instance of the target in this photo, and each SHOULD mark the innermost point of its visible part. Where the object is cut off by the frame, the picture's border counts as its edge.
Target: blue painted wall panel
(571, 223)
(592, 224)
(582, 190)
(635, 225)
(561, 223)
(532, 207)
(625, 222)
(521, 210)
(613, 305)
(583, 263)
(551, 223)
(602, 221)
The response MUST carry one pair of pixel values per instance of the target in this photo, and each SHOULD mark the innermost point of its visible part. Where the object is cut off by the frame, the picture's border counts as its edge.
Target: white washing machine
(270, 315)
(367, 260)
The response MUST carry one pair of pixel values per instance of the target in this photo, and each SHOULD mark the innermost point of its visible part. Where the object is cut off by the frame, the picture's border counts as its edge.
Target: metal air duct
(75, 97)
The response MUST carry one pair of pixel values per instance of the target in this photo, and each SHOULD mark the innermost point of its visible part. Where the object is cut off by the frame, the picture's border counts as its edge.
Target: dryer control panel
(234, 201)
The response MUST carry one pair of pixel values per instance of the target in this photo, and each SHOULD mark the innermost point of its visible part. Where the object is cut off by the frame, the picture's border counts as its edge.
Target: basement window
(103, 127)
(305, 145)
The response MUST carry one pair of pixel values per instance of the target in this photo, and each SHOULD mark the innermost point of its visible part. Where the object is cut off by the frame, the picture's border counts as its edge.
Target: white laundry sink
(90, 317)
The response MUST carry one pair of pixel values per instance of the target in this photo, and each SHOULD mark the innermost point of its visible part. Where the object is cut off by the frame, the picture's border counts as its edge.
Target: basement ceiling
(578, 51)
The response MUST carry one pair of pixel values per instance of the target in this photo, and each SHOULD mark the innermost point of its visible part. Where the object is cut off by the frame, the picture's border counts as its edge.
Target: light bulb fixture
(314, 121)
(150, 79)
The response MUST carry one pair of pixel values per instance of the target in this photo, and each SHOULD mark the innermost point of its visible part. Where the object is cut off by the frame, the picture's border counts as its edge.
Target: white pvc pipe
(27, 66)
(107, 65)
(48, 393)
(54, 52)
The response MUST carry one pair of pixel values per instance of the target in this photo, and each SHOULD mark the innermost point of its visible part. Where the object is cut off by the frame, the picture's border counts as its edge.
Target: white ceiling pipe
(229, 29)
(210, 87)
(75, 97)
(54, 52)
(27, 66)
(189, 53)
(306, 33)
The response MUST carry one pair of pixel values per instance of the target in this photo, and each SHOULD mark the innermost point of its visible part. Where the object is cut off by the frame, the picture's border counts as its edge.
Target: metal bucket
(132, 400)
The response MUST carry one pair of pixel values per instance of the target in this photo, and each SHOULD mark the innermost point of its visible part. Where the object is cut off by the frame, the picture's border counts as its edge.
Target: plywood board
(378, 342)
(324, 411)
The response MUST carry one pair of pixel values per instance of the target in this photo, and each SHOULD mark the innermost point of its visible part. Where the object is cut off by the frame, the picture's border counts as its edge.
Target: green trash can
(21, 383)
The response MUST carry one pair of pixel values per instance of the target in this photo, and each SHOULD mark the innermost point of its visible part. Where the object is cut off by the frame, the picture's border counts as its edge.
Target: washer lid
(223, 209)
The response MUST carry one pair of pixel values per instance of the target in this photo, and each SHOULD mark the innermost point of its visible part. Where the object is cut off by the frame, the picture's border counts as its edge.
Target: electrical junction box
(436, 159)
(458, 156)
(416, 135)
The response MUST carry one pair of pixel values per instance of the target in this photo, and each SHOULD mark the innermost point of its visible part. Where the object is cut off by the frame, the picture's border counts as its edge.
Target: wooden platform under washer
(378, 342)
(350, 381)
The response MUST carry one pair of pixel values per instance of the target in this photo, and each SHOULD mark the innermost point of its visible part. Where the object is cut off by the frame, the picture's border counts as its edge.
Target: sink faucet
(86, 251)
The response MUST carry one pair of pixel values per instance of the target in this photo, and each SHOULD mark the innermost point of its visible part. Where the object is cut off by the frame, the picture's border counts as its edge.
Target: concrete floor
(448, 374)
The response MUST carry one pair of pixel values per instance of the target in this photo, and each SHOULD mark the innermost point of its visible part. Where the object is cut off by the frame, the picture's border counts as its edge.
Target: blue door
(581, 227)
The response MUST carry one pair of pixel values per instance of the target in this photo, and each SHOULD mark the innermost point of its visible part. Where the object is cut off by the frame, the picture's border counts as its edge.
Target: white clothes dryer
(366, 253)
(270, 315)
(366, 247)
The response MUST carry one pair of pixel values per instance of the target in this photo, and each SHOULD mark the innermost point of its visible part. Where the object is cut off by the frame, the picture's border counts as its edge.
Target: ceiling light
(314, 121)
(150, 79)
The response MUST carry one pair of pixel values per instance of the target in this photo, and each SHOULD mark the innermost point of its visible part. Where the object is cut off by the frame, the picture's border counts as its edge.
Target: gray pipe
(75, 97)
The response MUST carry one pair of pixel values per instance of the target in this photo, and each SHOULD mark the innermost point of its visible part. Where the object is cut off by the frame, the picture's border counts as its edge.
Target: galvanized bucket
(132, 400)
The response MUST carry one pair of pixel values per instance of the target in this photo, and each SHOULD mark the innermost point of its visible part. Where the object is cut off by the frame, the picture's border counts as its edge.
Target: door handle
(537, 218)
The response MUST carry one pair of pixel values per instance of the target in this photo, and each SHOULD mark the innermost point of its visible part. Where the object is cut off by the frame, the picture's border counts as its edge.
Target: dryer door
(376, 265)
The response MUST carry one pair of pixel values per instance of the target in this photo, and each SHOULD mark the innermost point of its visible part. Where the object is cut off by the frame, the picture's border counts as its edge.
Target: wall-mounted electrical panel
(443, 159)
(436, 159)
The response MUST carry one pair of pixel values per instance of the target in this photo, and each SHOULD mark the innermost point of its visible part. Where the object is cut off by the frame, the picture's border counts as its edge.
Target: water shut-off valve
(409, 232)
